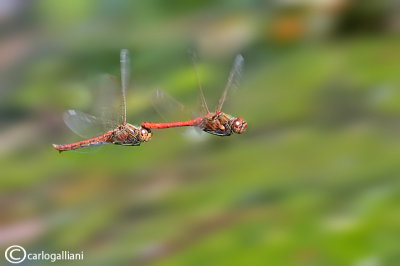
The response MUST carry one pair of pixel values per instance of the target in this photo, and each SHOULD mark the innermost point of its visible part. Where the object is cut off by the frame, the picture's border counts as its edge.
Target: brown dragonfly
(117, 132)
(216, 123)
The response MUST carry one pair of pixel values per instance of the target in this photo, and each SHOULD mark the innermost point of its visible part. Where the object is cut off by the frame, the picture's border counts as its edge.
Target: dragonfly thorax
(142, 134)
(222, 124)
(128, 134)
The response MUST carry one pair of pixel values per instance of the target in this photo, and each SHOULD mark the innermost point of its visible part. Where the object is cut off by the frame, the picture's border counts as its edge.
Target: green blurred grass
(312, 182)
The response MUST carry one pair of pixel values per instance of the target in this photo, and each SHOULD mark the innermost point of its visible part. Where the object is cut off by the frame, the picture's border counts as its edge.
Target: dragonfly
(119, 132)
(215, 123)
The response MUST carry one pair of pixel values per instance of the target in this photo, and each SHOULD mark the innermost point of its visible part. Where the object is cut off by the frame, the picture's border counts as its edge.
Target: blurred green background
(313, 181)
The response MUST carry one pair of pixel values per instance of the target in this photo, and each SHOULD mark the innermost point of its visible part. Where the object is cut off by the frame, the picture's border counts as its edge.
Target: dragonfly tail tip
(55, 146)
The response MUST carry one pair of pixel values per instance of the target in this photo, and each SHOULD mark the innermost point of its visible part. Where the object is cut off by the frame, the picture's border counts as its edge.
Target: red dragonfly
(119, 131)
(217, 123)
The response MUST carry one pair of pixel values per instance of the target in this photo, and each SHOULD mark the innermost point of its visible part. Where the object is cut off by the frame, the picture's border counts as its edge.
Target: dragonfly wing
(203, 103)
(172, 110)
(233, 80)
(195, 134)
(90, 149)
(125, 71)
(82, 124)
(169, 108)
(108, 104)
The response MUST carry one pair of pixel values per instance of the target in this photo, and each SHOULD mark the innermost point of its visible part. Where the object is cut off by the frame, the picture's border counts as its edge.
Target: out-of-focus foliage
(313, 181)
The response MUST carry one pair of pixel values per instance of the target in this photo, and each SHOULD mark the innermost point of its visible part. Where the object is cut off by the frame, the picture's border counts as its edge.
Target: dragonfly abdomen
(102, 139)
(193, 122)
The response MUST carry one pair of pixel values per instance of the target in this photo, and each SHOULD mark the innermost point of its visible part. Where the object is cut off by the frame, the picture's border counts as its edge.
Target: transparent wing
(169, 108)
(195, 134)
(172, 110)
(107, 101)
(233, 79)
(90, 149)
(203, 102)
(107, 105)
(84, 125)
(125, 71)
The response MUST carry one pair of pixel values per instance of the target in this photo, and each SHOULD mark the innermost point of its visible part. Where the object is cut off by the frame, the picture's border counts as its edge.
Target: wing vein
(232, 80)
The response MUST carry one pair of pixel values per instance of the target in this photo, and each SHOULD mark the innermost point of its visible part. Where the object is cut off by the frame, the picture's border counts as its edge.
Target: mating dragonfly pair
(217, 123)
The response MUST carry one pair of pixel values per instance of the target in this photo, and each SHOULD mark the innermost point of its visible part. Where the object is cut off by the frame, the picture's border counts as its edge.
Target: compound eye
(145, 135)
(239, 125)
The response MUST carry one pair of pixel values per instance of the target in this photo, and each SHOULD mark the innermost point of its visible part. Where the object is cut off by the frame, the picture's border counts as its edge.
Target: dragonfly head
(239, 125)
(144, 134)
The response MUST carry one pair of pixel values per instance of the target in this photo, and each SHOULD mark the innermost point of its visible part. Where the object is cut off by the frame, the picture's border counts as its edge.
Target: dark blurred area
(313, 181)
